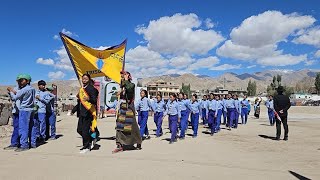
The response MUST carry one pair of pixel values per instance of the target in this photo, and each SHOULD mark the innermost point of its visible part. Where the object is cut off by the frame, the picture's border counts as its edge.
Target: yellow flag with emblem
(85, 60)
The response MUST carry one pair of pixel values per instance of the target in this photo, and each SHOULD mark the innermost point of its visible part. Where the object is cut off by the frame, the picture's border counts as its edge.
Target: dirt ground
(244, 153)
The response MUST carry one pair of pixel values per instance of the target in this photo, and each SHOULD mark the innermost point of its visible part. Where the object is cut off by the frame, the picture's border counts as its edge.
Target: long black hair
(173, 95)
(145, 92)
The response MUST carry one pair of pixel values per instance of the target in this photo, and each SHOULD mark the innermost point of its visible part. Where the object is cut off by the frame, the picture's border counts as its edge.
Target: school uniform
(204, 109)
(269, 105)
(224, 112)
(212, 114)
(219, 114)
(230, 109)
(158, 107)
(195, 109)
(244, 111)
(15, 117)
(183, 104)
(187, 102)
(26, 95)
(143, 106)
(174, 112)
(237, 113)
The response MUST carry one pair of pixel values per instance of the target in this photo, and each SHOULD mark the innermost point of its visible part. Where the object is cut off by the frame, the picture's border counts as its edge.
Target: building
(161, 86)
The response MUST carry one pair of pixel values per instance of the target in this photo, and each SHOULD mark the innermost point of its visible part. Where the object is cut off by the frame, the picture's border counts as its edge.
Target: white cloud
(257, 38)
(310, 37)
(66, 32)
(56, 75)
(63, 61)
(224, 67)
(45, 61)
(204, 63)
(102, 47)
(209, 24)
(56, 37)
(143, 57)
(317, 54)
(180, 62)
(179, 34)
(252, 66)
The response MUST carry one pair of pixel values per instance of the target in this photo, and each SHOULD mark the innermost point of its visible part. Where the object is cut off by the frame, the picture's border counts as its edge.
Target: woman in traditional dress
(127, 130)
(257, 107)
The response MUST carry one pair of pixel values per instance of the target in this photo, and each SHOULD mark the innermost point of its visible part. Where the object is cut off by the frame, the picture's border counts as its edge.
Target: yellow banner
(97, 63)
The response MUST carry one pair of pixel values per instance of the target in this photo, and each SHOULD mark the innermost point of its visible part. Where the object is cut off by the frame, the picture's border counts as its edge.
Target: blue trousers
(195, 123)
(52, 123)
(24, 127)
(218, 120)
(142, 121)
(236, 118)
(41, 129)
(231, 116)
(211, 121)
(34, 130)
(183, 123)
(15, 134)
(224, 117)
(204, 116)
(158, 121)
(244, 115)
(271, 117)
(173, 122)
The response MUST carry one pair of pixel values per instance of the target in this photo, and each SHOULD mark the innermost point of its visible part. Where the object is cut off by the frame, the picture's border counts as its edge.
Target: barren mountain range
(304, 78)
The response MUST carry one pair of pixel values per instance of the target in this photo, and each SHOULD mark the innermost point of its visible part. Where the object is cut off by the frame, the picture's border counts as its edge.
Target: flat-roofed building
(161, 86)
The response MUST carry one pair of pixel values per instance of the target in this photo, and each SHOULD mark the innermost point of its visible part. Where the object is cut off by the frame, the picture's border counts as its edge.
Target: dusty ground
(245, 153)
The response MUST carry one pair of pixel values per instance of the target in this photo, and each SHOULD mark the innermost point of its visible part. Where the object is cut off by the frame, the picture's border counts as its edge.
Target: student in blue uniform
(184, 115)
(15, 143)
(158, 109)
(269, 105)
(187, 101)
(143, 106)
(249, 107)
(244, 110)
(219, 114)
(237, 112)
(195, 109)
(174, 113)
(230, 108)
(204, 106)
(52, 115)
(223, 98)
(212, 113)
(26, 95)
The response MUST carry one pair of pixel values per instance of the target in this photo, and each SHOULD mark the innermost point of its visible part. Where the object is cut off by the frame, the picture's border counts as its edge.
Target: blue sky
(164, 37)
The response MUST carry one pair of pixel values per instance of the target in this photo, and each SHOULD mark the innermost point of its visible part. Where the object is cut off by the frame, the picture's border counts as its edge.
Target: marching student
(224, 112)
(26, 95)
(219, 114)
(143, 106)
(159, 107)
(174, 113)
(244, 110)
(195, 109)
(204, 107)
(187, 101)
(15, 143)
(51, 114)
(237, 112)
(183, 104)
(212, 113)
(230, 108)
(269, 105)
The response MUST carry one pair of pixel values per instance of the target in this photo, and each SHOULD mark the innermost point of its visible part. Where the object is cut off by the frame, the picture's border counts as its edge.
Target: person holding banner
(88, 113)
(127, 130)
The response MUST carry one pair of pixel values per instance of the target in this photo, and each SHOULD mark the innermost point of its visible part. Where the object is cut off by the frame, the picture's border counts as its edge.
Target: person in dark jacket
(281, 106)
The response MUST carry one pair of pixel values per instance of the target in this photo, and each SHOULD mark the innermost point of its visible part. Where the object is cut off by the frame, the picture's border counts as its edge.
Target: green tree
(186, 89)
(252, 88)
(279, 79)
(317, 83)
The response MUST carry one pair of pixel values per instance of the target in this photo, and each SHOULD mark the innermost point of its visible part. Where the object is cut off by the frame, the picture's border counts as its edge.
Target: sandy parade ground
(244, 153)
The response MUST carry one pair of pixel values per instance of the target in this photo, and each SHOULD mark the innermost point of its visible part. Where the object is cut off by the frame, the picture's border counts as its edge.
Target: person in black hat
(281, 106)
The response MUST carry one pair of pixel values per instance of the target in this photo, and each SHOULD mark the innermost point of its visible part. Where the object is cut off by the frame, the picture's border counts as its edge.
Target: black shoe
(285, 138)
(181, 138)
(211, 134)
(21, 149)
(11, 147)
(138, 147)
(277, 139)
(171, 142)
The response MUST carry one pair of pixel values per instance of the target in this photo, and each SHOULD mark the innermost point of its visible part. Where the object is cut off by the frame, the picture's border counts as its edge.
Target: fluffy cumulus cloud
(204, 63)
(317, 54)
(180, 34)
(45, 61)
(310, 37)
(257, 38)
(66, 32)
(56, 75)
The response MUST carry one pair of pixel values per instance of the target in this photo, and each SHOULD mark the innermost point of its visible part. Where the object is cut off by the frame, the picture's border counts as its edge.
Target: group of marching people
(34, 119)
(179, 109)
